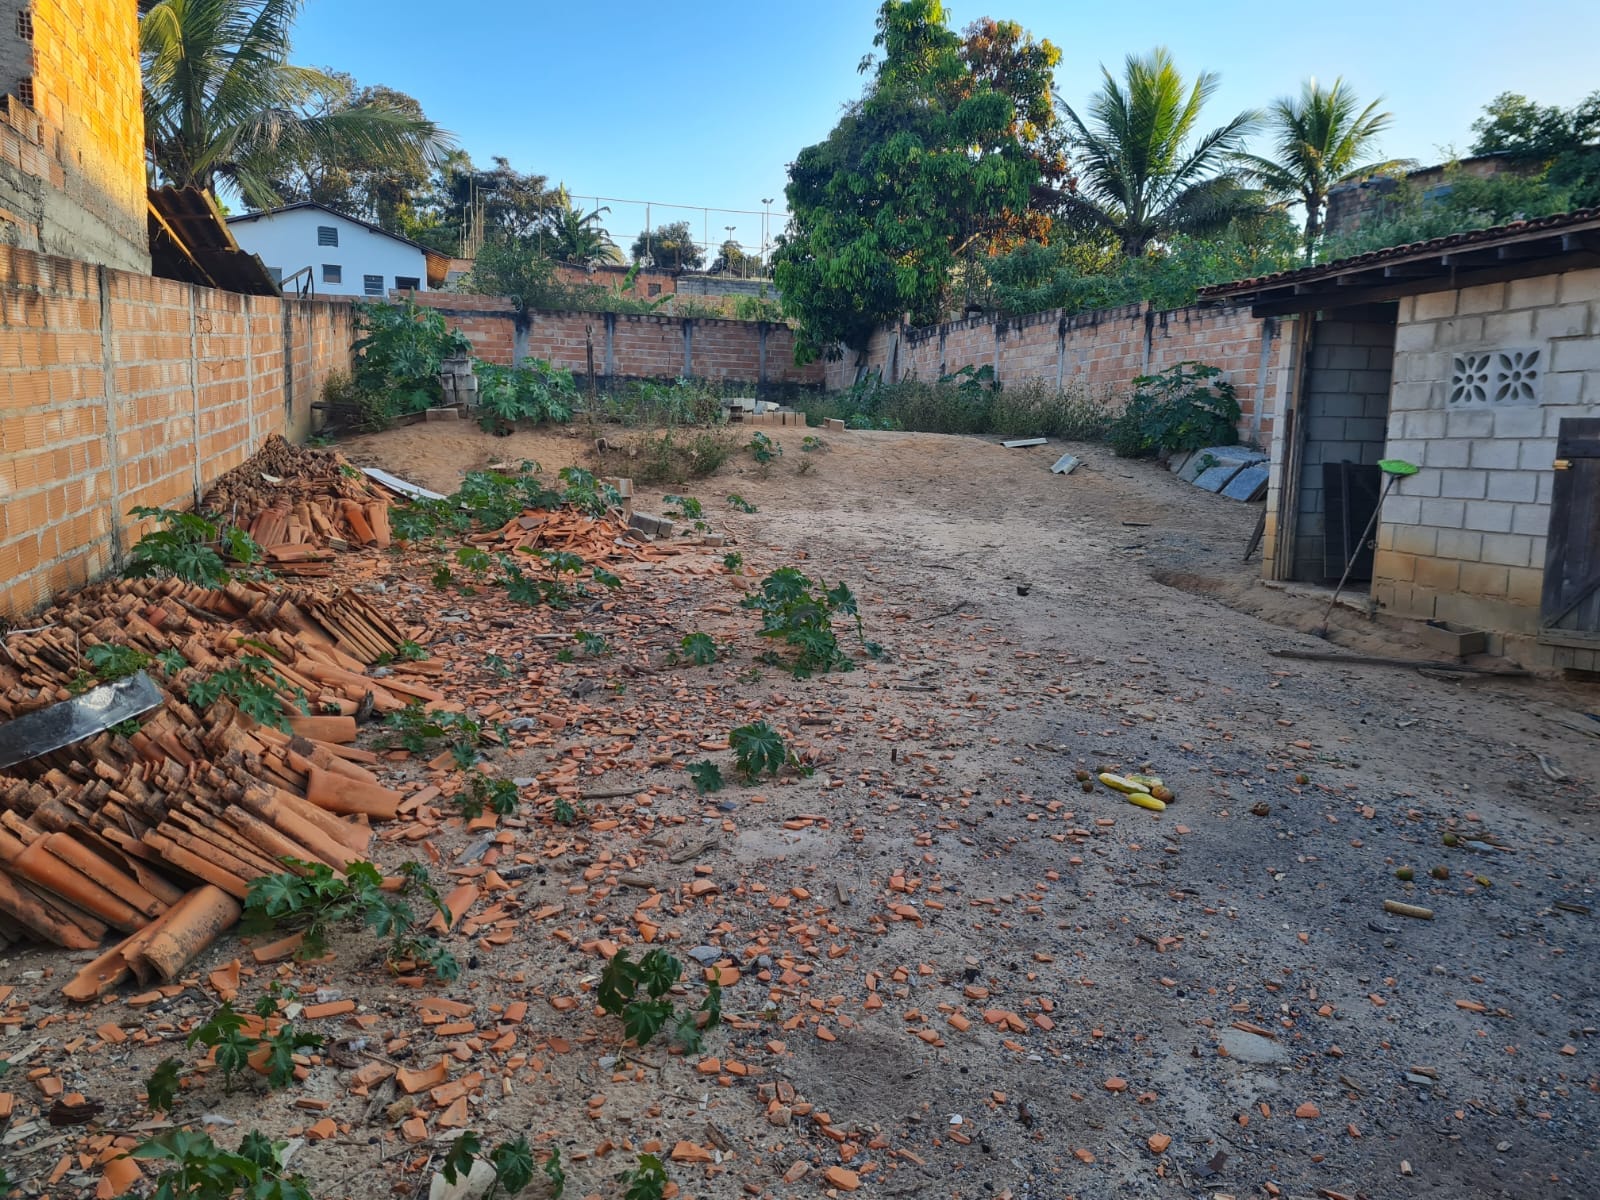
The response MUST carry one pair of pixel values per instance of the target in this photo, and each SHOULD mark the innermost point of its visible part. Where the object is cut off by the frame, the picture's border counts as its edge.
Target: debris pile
(156, 831)
(298, 503)
(594, 539)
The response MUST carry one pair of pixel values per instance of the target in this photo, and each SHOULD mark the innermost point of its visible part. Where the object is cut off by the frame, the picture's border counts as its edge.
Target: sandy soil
(943, 868)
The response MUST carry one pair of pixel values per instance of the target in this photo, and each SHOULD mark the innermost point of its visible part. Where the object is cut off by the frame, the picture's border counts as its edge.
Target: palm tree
(1141, 178)
(1320, 140)
(221, 99)
(578, 237)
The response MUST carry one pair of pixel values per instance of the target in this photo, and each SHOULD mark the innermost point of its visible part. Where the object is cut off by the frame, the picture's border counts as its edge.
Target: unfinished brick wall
(1101, 351)
(122, 389)
(72, 178)
(629, 345)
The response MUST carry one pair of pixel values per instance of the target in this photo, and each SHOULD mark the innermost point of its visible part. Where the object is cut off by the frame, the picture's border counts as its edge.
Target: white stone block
(1580, 285)
(1518, 422)
(1536, 454)
(1431, 306)
(1485, 298)
(1464, 544)
(1425, 423)
(1575, 354)
(1456, 484)
(1409, 339)
(1532, 293)
(1508, 328)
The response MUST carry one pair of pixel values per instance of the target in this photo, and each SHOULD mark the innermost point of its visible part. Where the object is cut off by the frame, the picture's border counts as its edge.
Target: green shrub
(401, 349)
(534, 391)
(1186, 407)
(967, 402)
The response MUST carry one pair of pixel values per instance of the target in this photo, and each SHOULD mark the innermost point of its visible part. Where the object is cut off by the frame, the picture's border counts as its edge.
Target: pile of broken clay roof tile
(156, 832)
(299, 503)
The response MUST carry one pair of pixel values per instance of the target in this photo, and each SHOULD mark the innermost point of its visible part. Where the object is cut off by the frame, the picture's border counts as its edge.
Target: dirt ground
(959, 974)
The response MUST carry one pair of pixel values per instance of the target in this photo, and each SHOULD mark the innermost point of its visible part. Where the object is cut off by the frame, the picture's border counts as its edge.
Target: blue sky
(705, 104)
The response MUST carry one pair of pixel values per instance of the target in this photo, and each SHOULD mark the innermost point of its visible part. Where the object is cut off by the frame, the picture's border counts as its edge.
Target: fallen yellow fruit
(1144, 801)
(1119, 784)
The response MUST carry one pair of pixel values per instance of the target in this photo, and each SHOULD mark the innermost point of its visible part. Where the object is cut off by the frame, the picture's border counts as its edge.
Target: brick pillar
(194, 392)
(611, 344)
(688, 349)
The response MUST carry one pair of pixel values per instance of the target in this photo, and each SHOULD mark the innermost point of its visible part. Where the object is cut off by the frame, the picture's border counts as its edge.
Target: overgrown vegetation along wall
(1101, 351)
(630, 345)
(118, 389)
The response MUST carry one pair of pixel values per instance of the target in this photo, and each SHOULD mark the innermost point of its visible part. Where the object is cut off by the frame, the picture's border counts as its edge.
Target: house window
(332, 273)
(655, 289)
(372, 285)
(408, 283)
(327, 235)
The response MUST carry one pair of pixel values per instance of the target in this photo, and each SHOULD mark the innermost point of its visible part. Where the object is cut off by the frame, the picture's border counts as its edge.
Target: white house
(308, 247)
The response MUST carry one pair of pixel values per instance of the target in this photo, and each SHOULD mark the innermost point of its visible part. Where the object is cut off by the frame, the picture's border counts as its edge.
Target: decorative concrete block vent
(1488, 377)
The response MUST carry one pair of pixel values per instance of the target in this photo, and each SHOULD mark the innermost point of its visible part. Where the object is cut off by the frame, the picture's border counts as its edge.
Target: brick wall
(629, 345)
(72, 178)
(1102, 351)
(118, 389)
(1465, 539)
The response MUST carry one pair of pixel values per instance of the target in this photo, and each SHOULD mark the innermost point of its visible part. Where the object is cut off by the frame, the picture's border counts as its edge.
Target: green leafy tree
(929, 164)
(222, 101)
(1513, 124)
(1321, 138)
(1144, 175)
(671, 247)
(1564, 141)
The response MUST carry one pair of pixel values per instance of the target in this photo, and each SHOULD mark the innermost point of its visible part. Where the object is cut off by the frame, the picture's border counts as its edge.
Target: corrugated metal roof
(190, 242)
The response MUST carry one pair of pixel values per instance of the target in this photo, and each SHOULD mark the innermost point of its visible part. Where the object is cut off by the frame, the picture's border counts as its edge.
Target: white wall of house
(288, 241)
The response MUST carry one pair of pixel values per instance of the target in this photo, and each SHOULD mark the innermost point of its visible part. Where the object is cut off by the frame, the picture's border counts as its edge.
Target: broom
(1394, 470)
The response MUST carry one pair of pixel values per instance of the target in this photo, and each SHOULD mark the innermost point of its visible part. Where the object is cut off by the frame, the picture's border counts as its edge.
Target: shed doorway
(1343, 425)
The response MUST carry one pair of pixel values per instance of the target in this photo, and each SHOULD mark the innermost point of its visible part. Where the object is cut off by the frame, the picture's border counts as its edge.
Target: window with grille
(332, 273)
(408, 283)
(327, 235)
(372, 285)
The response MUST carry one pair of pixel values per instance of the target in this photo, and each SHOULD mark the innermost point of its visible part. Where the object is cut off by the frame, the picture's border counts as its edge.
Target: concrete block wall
(1346, 410)
(119, 389)
(1465, 539)
(629, 345)
(1102, 351)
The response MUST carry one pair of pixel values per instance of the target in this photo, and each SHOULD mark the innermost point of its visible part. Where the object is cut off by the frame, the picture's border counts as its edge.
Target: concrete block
(1485, 298)
(1459, 332)
(1570, 388)
(442, 414)
(1443, 514)
(1536, 454)
(1401, 510)
(1518, 422)
(1579, 285)
(1411, 338)
(1458, 484)
(1530, 519)
(834, 425)
(1562, 321)
(1214, 479)
(1464, 545)
(1431, 306)
(1518, 487)
(1531, 293)
(1491, 516)
(1249, 484)
(1447, 452)
(1496, 454)
(1508, 328)
(1508, 549)
(1469, 423)
(1575, 354)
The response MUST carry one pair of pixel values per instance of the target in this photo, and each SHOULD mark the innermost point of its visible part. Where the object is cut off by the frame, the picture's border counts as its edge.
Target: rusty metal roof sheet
(190, 242)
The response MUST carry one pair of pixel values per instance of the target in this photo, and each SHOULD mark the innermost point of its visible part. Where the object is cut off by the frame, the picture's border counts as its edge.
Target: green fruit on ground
(1440, 872)
(1405, 873)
